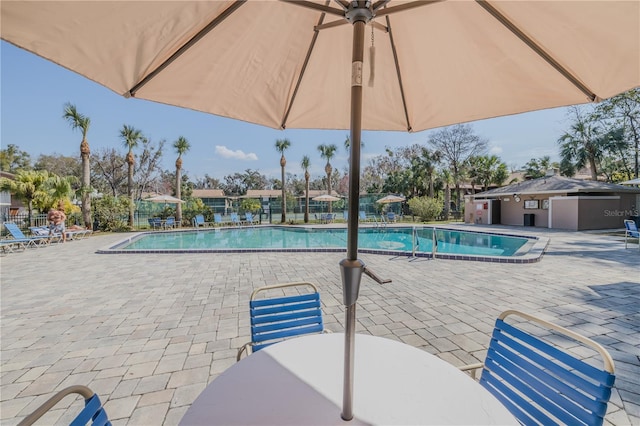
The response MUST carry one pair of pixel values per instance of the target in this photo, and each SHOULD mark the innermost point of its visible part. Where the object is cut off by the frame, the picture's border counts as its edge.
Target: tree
(537, 167)
(583, 143)
(624, 110)
(148, 172)
(456, 144)
(181, 146)
(488, 170)
(305, 164)
(281, 146)
(27, 186)
(327, 152)
(59, 165)
(82, 122)
(110, 173)
(13, 159)
(130, 137)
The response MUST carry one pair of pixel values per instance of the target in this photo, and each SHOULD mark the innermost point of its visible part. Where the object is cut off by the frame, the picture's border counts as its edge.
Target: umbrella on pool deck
(390, 199)
(631, 182)
(167, 199)
(325, 197)
(304, 64)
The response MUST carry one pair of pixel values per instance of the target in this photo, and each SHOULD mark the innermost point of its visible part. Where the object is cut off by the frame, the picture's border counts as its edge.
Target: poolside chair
(391, 217)
(541, 383)
(170, 222)
(93, 411)
(362, 216)
(277, 318)
(631, 230)
(345, 215)
(7, 246)
(235, 219)
(155, 222)
(217, 219)
(44, 231)
(250, 219)
(199, 221)
(18, 236)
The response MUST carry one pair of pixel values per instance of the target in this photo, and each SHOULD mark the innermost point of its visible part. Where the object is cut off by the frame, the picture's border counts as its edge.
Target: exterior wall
(564, 213)
(603, 212)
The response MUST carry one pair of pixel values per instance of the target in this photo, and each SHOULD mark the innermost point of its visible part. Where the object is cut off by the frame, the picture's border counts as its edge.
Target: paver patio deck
(147, 332)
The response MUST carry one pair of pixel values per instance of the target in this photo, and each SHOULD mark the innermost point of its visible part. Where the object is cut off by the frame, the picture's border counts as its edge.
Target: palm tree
(305, 163)
(130, 138)
(583, 144)
(181, 145)
(281, 146)
(79, 121)
(327, 152)
(27, 186)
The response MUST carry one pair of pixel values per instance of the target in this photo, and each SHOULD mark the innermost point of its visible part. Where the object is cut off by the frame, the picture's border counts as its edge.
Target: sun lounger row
(234, 219)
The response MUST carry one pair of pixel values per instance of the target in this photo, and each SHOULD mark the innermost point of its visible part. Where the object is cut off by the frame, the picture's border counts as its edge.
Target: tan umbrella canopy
(167, 199)
(390, 199)
(304, 64)
(325, 197)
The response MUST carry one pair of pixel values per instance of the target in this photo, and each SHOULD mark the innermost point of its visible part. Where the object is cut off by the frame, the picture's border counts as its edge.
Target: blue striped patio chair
(274, 319)
(541, 382)
(631, 230)
(93, 412)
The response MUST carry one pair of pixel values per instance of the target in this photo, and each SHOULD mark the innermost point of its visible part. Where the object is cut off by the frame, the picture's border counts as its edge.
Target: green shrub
(112, 213)
(426, 208)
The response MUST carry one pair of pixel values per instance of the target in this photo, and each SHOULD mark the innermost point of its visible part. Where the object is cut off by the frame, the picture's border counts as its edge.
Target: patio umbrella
(325, 197)
(167, 199)
(390, 199)
(631, 182)
(299, 64)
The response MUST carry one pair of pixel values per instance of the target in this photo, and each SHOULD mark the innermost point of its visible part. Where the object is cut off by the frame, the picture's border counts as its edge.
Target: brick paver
(148, 332)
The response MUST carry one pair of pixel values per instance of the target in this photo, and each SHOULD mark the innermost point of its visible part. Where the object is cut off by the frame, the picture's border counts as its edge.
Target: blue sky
(34, 91)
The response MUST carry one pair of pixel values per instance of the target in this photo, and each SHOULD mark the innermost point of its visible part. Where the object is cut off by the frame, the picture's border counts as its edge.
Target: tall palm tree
(281, 146)
(130, 138)
(181, 145)
(27, 186)
(82, 122)
(305, 163)
(584, 143)
(327, 152)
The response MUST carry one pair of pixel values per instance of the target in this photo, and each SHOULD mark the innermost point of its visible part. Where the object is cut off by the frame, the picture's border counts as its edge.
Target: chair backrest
(199, 220)
(543, 384)
(274, 319)
(217, 218)
(170, 221)
(154, 221)
(249, 217)
(92, 413)
(235, 218)
(631, 227)
(362, 215)
(14, 230)
(345, 214)
(391, 216)
(40, 231)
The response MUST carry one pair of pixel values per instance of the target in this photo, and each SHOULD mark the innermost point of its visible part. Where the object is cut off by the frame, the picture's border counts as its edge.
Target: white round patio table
(299, 382)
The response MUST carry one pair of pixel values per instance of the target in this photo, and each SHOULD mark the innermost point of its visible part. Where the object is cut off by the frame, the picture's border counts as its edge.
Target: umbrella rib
(398, 73)
(537, 49)
(316, 31)
(196, 38)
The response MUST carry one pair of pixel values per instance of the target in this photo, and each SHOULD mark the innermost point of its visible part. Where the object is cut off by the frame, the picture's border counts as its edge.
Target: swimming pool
(412, 241)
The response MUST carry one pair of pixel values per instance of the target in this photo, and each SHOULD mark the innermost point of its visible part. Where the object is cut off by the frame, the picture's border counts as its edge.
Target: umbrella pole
(351, 267)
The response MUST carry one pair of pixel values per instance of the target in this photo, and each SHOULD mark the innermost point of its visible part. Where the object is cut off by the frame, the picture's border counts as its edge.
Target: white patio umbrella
(167, 199)
(325, 197)
(631, 182)
(391, 199)
(299, 64)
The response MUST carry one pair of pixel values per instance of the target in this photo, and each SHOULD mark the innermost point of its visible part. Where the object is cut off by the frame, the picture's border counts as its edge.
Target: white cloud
(225, 152)
(495, 150)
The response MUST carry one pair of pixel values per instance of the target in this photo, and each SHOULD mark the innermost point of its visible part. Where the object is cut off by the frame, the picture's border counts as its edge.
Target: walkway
(148, 332)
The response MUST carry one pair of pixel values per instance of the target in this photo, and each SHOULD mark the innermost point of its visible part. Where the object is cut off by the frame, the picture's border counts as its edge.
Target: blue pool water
(402, 240)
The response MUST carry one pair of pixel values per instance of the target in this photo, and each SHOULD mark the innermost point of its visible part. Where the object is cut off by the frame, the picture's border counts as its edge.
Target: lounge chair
(217, 219)
(631, 230)
(155, 222)
(199, 221)
(44, 231)
(345, 215)
(391, 217)
(170, 222)
(542, 383)
(362, 216)
(276, 318)
(93, 411)
(250, 220)
(71, 234)
(235, 219)
(7, 246)
(18, 236)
